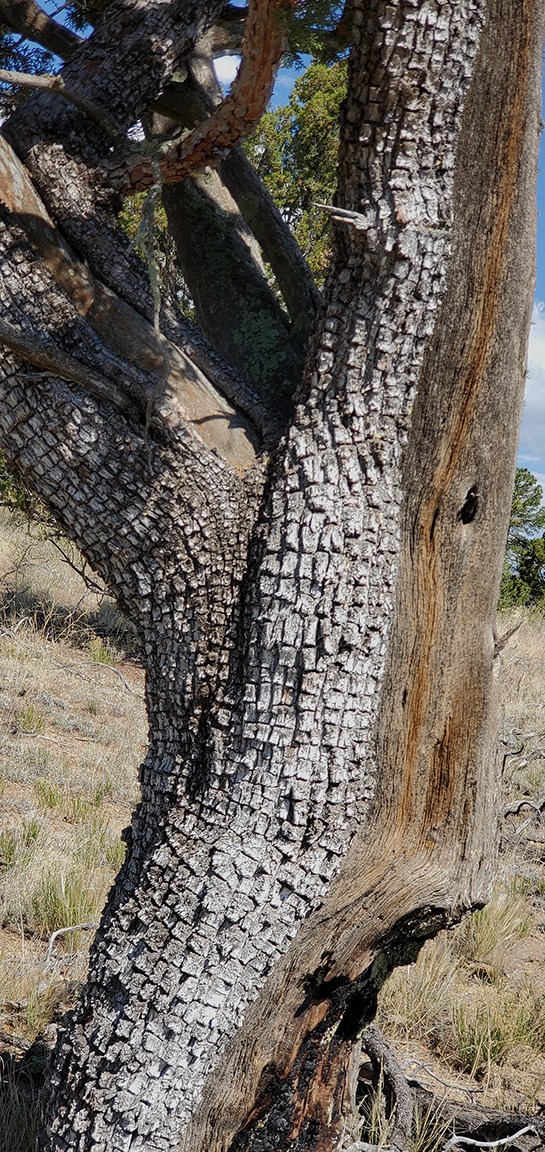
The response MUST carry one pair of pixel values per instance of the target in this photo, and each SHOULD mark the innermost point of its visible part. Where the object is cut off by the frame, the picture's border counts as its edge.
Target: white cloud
(226, 68)
(532, 432)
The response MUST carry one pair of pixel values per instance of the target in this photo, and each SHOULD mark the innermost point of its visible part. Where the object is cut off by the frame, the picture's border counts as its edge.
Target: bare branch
(536, 805)
(279, 246)
(502, 640)
(485, 1126)
(27, 18)
(153, 370)
(347, 216)
(456, 1140)
(469, 1092)
(399, 1093)
(233, 119)
(100, 664)
(189, 104)
(62, 932)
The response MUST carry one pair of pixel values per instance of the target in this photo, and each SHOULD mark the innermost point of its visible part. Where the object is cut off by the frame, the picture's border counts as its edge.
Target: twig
(525, 824)
(90, 584)
(502, 641)
(470, 1092)
(62, 932)
(74, 671)
(12, 632)
(454, 1140)
(100, 664)
(514, 809)
(345, 216)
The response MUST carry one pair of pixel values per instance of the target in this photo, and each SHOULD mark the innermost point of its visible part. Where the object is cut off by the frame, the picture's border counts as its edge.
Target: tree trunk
(319, 794)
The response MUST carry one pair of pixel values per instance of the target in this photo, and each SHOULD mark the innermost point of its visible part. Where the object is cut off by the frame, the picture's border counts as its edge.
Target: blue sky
(532, 433)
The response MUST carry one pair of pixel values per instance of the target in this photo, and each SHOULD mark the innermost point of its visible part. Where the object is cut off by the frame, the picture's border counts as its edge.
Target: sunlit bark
(319, 792)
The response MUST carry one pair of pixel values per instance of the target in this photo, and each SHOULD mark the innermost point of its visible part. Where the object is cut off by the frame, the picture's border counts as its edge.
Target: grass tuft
(63, 899)
(20, 1112)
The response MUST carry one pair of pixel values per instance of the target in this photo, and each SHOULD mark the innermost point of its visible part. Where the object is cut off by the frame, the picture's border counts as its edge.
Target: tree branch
(52, 361)
(278, 244)
(157, 378)
(27, 18)
(232, 120)
(189, 104)
(227, 33)
(55, 83)
(457, 1140)
(399, 1099)
(486, 1126)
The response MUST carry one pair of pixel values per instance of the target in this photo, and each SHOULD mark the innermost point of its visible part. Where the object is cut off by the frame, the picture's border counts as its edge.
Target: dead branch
(110, 668)
(485, 1126)
(62, 932)
(502, 640)
(469, 1092)
(454, 1140)
(399, 1098)
(536, 805)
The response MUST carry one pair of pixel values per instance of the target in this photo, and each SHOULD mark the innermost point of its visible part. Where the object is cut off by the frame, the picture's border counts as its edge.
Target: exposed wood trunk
(319, 793)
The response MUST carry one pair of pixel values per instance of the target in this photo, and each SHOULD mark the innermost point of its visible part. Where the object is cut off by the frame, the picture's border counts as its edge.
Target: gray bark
(317, 628)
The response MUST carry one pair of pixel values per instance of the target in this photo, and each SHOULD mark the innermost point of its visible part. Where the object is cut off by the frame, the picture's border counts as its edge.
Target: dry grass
(19, 1108)
(471, 1010)
(71, 736)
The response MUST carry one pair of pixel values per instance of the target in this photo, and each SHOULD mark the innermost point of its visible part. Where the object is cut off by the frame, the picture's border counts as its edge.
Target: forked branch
(235, 117)
(157, 376)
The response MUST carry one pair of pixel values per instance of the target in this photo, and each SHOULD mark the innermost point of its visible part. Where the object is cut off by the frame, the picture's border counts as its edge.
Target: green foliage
(295, 152)
(16, 496)
(527, 513)
(17, 55)
(523, 578)
(313, 28)
(83, 13)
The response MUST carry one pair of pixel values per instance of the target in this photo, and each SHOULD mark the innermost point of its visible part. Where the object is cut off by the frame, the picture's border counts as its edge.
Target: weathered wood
(483, 1124)
(320, 788)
